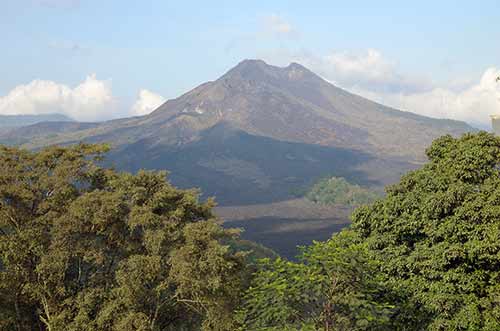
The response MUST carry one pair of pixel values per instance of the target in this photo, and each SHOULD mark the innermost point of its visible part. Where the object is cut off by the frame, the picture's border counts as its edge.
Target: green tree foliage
(87, 248)
(438, 233)
(255, 251)
(335, 286)
(337, 190)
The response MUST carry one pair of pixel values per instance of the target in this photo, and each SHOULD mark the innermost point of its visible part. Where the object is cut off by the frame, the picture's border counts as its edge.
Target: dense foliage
(337, 190)
(87, 248)
(425, 257)
(335, 286)
(438, 233)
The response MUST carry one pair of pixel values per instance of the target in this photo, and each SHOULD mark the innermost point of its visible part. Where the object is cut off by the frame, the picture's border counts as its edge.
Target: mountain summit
(294, 104)
(260, 131)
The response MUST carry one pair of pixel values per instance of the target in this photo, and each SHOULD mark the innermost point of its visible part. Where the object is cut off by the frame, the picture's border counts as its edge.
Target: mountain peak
(251, 62)
(262, 64)
(257, 64)
(249, 66)
(256, 70)
(296, 66)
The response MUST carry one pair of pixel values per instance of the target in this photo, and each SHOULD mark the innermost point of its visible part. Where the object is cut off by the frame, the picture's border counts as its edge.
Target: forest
(86, 247)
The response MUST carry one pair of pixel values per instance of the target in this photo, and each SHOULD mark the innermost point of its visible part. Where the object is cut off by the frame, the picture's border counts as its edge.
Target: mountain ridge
(12, 121)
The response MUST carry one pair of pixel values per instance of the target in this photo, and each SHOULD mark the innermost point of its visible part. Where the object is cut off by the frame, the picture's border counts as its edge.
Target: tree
(438, 233)
(87, 248)
(333, 287)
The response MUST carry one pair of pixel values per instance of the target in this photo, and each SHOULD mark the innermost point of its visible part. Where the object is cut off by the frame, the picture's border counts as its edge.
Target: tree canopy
(83, 247)
(438, 233)
(424, 257)
(335, 286)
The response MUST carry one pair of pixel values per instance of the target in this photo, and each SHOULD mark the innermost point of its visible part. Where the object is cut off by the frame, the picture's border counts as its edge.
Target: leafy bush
(337, 190)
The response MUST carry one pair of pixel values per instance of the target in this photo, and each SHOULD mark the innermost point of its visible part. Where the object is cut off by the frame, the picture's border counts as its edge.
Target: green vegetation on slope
(337, 190)
(254, 251)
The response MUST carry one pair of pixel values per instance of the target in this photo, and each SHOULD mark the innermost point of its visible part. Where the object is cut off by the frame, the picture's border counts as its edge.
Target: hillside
(14, 121)
(9, 123)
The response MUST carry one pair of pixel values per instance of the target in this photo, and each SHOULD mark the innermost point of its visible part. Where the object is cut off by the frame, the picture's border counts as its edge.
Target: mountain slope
(260, 131)
(13, 121)
(294, 104)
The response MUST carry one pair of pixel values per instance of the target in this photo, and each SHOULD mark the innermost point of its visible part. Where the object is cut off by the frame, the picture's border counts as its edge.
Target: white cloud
(147, 101)
(89, 101)
(371, 70)
(277, 26)
(473, 104)
(368, 70)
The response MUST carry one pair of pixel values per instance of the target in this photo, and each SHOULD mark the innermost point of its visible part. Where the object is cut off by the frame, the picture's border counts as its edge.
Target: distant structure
(495, 119)
(495, 124)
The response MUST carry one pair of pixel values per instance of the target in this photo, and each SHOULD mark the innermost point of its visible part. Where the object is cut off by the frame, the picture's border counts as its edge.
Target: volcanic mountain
(258, 133)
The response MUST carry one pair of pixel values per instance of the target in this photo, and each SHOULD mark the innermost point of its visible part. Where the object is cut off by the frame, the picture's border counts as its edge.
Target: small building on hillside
(495, 119)
(495, 124)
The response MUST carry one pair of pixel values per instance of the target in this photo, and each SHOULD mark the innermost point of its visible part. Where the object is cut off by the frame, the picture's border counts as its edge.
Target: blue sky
(399, 53)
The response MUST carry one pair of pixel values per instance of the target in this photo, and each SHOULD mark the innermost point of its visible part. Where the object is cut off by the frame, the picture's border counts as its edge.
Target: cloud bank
(89, 101)
(474, 104)
(370, 70)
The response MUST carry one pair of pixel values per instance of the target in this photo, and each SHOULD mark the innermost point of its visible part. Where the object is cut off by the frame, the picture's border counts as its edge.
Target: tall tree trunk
(328, 316)
(18, 314)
